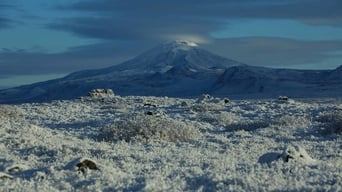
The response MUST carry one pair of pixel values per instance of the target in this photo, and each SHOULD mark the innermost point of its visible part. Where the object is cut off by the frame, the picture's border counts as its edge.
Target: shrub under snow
(222, 118)
(332, 121)
(9, 111)
(147, 128)
(247, 125)
(288, 120)
(203, 107)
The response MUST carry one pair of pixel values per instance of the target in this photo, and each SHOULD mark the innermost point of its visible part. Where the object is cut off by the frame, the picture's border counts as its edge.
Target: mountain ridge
(183, 69)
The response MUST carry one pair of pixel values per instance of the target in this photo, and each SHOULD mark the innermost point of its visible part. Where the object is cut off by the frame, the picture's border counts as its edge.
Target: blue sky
(42, 39)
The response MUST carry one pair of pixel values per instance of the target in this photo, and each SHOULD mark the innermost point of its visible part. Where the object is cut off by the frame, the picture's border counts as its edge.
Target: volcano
(183, 69)
(169, 69)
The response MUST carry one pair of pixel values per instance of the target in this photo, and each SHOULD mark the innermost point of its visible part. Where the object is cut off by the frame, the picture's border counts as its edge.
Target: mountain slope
(257, 82)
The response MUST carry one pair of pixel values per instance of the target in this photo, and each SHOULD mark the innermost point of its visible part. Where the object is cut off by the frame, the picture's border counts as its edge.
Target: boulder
(296, 153)
(82, 165)
(291, 154)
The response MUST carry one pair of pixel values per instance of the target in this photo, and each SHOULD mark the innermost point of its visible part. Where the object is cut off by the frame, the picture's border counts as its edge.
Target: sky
(42, 40)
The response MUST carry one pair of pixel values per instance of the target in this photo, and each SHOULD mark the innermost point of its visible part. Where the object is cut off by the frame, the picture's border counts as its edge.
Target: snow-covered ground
(171, 144)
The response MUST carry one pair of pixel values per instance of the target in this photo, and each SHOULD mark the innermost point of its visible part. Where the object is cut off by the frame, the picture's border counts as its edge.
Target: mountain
(260, 82)
(177, 68)
(182, 69)
(335, 75)
(175, 55)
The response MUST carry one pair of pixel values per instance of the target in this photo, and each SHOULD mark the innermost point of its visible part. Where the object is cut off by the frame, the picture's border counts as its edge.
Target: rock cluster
(101, 93)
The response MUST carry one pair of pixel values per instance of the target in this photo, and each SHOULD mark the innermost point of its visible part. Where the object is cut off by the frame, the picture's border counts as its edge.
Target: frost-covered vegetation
(101, 143)
(8, 111)
(332, 122)
(147, 127)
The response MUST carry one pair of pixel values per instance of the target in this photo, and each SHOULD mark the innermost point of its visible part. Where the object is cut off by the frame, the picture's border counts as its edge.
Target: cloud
(280, 52)
(26, 62)
(134, 28)
(219, 8)
(335, 22)
(157, 21)
(27, 66)
(5, 22)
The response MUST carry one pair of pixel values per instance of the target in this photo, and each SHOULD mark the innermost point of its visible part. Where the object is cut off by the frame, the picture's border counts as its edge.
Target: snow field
(247, 145)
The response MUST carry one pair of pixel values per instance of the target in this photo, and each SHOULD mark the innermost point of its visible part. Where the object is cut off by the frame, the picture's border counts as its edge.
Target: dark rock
(86, 164)
(82, 165)
(226, 101)
(149, 105)
(283, 98)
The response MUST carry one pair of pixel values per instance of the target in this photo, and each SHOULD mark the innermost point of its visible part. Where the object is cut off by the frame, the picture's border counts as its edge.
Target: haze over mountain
(182, 69)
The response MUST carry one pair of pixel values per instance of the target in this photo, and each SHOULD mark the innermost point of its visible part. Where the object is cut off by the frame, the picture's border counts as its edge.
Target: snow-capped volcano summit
(180, 44)
(173, 54)
(167, 57)
(175, 46)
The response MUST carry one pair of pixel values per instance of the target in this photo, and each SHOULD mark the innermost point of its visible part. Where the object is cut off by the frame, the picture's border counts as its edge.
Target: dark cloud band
(153, 20)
